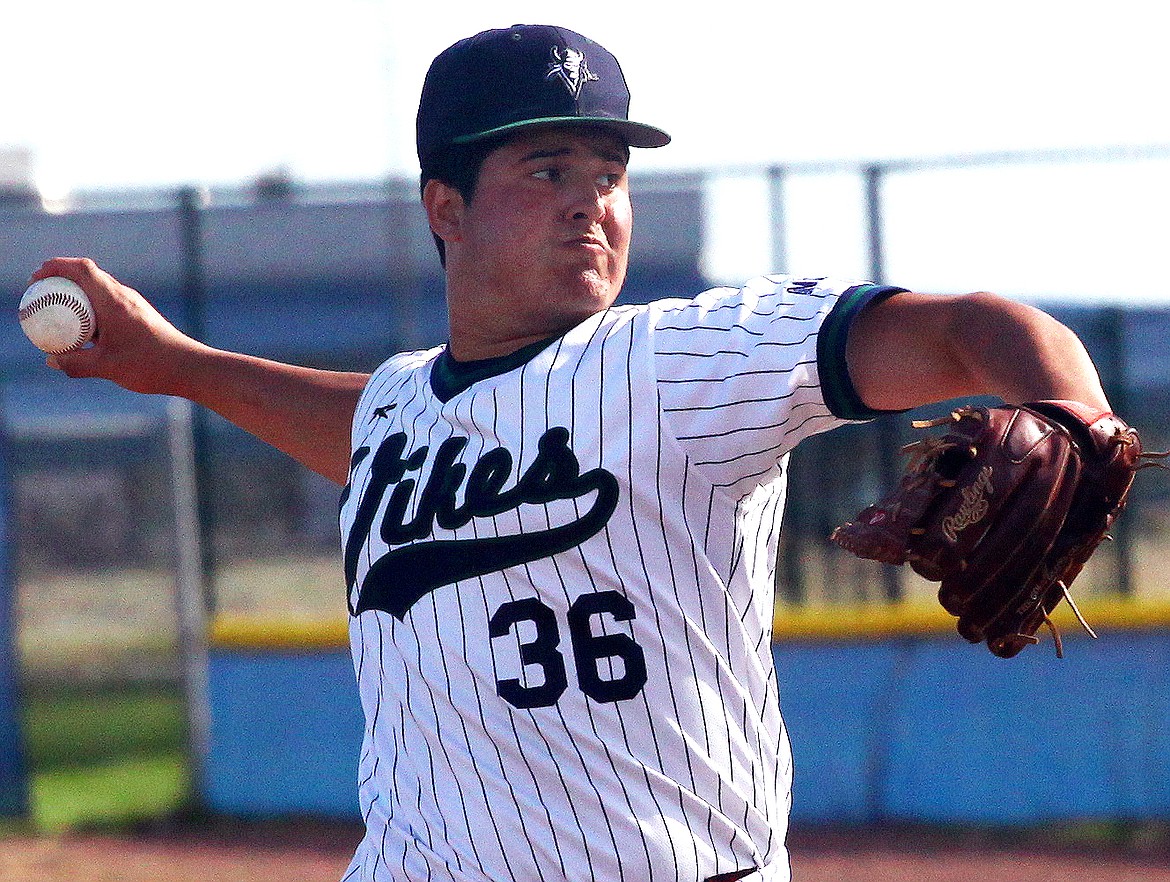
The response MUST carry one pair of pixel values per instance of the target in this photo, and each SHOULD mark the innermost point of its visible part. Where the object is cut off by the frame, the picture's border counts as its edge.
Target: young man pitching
(559, 528)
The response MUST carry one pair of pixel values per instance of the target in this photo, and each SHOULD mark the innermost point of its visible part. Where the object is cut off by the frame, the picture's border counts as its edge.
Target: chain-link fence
(340, 277)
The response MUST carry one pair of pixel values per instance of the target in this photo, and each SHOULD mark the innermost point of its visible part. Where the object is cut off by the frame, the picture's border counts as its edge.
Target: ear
(445, 209)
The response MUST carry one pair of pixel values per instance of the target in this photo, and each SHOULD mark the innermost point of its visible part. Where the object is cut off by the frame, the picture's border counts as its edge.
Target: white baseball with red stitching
(56, 315)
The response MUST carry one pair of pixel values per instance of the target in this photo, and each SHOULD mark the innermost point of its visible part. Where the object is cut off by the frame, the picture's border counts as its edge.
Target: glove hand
(1003, 510)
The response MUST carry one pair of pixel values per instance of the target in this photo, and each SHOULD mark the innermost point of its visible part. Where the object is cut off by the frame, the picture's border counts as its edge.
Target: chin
(595, 299)
(598, 287)
(577, 302)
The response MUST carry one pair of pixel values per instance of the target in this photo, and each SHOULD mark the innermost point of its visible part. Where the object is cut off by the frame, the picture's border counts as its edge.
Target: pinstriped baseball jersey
(560, 574)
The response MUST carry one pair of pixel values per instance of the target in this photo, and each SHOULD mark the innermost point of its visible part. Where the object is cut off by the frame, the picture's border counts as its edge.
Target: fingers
(112, 301)
(76, 269)
(78, 363)
(95, 282)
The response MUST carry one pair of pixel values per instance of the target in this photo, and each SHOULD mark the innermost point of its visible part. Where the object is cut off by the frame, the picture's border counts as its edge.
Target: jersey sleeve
(745, 374)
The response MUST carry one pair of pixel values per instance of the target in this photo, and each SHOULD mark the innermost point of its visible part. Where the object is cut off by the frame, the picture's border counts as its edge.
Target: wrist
(178, 372)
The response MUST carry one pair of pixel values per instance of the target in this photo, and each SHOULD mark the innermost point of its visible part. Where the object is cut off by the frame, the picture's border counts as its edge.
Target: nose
(588, 203)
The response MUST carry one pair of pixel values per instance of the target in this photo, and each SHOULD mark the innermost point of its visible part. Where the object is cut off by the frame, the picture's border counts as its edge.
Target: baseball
(56, 315)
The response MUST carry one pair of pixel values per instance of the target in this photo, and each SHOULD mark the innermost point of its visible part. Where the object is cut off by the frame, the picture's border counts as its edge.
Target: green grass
(111, 794)
(105, 758)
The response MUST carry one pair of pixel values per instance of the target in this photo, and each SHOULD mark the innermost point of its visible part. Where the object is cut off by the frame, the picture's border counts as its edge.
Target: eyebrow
(545, 154)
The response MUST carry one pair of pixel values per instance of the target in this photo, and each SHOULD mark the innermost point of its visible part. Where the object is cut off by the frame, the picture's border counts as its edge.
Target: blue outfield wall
(286, 729)
(934, 730)
(912, 728)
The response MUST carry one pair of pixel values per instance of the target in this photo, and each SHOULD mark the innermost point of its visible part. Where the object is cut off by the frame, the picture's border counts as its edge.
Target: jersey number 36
(591, 652)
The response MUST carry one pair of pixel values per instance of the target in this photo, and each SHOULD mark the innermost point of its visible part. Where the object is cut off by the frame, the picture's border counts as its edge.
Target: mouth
(587, 243)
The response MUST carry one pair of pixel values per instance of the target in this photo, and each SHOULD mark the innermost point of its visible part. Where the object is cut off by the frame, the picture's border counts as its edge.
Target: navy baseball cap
(504, 80)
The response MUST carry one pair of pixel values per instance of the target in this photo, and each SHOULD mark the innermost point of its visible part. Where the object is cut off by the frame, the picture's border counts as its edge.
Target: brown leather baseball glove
(1004, 510)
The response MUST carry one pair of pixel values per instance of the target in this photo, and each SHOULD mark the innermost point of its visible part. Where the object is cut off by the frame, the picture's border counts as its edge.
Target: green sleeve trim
(836, 385)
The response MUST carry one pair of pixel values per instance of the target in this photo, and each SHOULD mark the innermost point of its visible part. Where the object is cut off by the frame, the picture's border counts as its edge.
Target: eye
(553, 175)
(611, 180)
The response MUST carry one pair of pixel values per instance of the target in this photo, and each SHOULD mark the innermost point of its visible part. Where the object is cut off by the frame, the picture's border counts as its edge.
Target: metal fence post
(190, 591)
(791, 583)
(1115, 378)
(779, 238)
(13, 769)
(194, 289)
(888, 443)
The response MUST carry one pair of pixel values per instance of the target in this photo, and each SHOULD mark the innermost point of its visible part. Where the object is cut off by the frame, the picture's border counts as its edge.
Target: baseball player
(559, 528)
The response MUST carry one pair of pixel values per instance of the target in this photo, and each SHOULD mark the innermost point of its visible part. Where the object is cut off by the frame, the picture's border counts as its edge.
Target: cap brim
(634, 134)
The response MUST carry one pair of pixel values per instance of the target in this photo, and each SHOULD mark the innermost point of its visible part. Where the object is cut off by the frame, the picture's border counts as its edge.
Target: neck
(483, 324)
(490, 317)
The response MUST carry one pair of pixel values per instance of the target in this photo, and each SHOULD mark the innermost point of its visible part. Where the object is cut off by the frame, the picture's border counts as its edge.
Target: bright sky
(136, 93)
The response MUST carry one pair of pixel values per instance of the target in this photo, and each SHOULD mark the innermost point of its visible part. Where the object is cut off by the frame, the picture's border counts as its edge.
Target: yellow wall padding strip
(257, 633)
(919, 618)
(808, 623)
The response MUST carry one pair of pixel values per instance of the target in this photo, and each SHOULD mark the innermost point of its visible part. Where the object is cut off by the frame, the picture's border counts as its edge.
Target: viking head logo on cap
(571, 69)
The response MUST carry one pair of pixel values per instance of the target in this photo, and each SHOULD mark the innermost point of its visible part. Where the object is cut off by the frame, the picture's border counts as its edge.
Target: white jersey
(560, 573)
